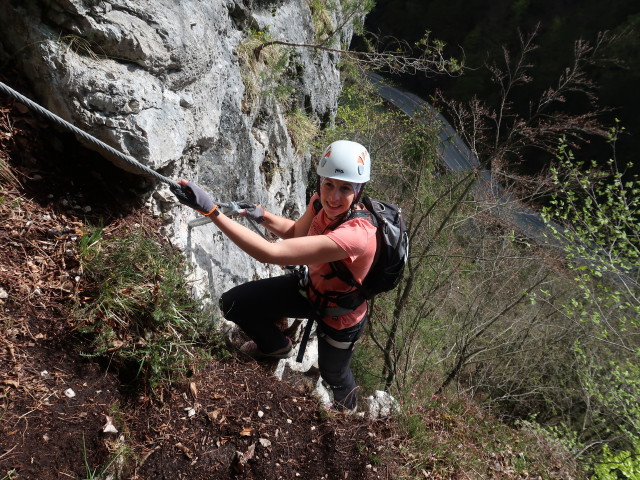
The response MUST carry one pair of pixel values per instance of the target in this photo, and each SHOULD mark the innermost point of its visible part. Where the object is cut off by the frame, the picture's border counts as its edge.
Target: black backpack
(392, 251)
(390, 259)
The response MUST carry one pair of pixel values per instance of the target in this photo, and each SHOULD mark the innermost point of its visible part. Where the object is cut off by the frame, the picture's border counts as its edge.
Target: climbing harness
(143, 169)
(301, 272)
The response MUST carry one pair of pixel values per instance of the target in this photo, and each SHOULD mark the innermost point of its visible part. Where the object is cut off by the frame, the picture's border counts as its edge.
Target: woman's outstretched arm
(297, 250)
(292, 251)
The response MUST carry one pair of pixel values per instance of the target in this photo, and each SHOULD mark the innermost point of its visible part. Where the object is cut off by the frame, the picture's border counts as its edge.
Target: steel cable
(62, 122)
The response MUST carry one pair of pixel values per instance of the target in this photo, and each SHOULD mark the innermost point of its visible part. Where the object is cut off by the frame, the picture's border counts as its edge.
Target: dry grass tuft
(302, 129)
(6, 136)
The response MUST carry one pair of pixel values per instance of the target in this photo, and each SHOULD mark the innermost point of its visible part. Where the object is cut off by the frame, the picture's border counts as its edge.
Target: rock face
(175, 85)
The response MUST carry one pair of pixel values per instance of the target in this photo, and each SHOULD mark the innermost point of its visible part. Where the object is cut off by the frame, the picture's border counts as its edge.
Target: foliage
(138, 311)
(100, 472)
(6, 174)
(425, 55)
(82, 46)
(603, 208)
(321, 19)
(457, 437)
(464, 300)
(481, 29)
(619, 465)
(463, 318)
(91, 474)
(598, 224)
(503, 138)
(302, 129)
(350, 14)
(269, 76)
(6, 136)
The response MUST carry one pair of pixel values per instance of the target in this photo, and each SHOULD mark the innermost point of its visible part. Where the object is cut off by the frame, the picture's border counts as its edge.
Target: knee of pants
(225, 302)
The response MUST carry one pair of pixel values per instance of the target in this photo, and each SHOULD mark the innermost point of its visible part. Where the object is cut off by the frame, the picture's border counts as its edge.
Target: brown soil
(233, 419)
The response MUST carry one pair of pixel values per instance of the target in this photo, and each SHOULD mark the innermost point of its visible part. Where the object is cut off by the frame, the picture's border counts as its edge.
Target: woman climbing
(330, 230)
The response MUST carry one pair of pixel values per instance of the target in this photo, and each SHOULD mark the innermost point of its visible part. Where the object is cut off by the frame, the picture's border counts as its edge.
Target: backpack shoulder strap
(338, 268)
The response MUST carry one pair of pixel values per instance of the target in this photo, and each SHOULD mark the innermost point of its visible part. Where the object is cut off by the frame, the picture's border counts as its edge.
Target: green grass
(137, 310)
(99, 472)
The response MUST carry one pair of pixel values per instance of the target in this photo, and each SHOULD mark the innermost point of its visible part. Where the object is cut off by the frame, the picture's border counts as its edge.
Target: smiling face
(336, 196)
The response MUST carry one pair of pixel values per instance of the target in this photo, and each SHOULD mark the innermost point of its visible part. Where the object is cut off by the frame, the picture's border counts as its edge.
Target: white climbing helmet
(345, 160)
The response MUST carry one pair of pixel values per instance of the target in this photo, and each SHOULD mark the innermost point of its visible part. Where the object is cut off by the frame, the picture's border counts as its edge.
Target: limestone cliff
(175, 85)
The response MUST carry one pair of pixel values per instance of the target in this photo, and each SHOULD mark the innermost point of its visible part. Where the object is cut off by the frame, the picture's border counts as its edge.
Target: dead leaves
(194, 390)
(186, 451)
(11, 383)
(240, 459)
(109, 427)
(40, 260)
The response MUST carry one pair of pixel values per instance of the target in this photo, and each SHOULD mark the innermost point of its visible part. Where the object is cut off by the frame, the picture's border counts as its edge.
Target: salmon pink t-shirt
(357, 237)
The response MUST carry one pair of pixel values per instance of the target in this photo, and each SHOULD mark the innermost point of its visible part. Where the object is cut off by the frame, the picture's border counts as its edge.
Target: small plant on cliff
(347, 12)
(302, 129)
(268, 76)
(321, 18)
(137, 310)
(82, 46)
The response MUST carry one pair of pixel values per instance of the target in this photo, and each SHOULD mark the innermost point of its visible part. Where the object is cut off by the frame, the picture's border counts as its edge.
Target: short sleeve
(354, 237)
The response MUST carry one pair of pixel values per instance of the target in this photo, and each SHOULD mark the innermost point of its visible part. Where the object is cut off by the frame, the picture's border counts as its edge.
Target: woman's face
(336, 196)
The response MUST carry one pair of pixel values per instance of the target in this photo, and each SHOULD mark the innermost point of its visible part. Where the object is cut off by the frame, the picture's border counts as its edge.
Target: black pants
(255, 306)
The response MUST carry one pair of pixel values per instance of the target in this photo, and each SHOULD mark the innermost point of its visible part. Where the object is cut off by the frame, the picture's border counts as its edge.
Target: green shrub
(617, 465)
(137, 311)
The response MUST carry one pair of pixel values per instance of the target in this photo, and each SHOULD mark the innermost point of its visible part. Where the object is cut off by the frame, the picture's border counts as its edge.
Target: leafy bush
(598, 209)
(617, 465)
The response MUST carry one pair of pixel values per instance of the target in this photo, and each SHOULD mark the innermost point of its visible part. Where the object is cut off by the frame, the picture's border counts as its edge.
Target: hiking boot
(251, 349)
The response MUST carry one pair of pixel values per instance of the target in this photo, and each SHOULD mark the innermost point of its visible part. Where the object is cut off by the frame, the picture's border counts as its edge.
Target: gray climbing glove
(195, 197)
(254, 212)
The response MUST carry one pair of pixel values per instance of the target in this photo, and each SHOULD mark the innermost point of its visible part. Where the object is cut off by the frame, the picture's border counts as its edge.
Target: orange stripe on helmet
(361, 158)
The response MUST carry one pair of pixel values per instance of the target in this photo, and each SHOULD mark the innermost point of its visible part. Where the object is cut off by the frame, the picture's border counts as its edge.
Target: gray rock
(381, 404)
